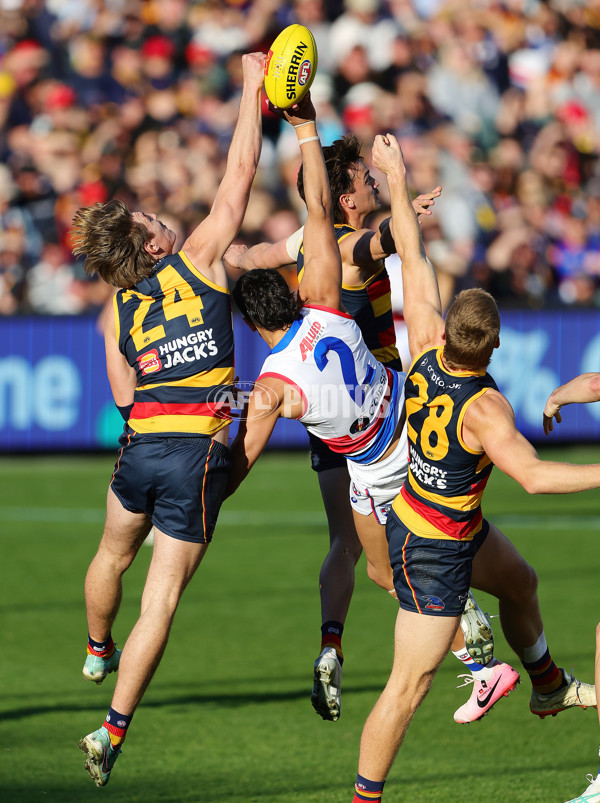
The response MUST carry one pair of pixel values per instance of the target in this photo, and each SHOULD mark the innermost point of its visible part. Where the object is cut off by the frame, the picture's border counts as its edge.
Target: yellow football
(291, 66)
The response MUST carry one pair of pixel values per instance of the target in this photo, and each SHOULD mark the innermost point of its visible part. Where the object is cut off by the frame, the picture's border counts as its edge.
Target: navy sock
(364, 789)
(116, 724)
(101, 648)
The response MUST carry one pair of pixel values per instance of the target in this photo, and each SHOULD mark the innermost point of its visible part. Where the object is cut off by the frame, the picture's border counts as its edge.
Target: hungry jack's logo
(149, 362)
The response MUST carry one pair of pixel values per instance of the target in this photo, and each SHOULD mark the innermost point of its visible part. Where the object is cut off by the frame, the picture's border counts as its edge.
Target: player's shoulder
(490, 407)
(269, 382)
(212, 275)
(355, 251)
(347, 236)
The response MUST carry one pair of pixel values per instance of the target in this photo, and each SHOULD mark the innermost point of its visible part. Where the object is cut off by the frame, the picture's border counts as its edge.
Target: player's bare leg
(171, 568)
(375, 546)
(421, 644)
(500, 570)
(124, 532)
(336, 579)
(336, 583)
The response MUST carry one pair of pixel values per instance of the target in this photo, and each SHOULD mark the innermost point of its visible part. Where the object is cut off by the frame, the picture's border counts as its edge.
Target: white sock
(477, 670)
(535, 652)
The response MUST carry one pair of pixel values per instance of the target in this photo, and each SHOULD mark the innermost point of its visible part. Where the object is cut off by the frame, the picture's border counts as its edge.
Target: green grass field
(228, 714)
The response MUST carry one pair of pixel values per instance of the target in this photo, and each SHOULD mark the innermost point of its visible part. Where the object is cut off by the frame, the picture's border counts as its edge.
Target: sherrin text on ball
(291, 66)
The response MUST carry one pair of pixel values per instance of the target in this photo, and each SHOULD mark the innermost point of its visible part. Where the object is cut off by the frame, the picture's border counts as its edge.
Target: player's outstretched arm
(271, 398)
(265, 406)
(422, 305)
(261, 256)
(582, 389)
(209, 241)
(489, 424)
(321, 281)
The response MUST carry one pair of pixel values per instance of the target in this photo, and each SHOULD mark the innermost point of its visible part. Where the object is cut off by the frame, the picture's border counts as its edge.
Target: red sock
(545, 676)
(331, 636)
(116, 724)
(101, 649)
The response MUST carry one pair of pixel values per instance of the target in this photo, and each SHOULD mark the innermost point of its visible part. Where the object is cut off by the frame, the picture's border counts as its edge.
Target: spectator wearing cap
(171, 22)
(158, 62)
(24, 63)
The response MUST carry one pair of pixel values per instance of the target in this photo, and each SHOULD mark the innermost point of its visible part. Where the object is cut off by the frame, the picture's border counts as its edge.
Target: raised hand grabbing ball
(291, 66)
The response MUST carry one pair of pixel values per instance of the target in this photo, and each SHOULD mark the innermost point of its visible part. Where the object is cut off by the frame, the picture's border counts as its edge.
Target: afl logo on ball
(304, 72)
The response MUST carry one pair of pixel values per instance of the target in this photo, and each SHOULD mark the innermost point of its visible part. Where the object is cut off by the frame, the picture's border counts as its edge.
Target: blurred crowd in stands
(496, 100)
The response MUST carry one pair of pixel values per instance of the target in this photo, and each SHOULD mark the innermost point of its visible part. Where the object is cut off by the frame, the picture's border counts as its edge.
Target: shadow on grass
(226, 700)
(247, 787)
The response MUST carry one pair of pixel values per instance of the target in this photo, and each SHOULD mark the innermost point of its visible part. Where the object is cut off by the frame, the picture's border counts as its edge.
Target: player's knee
(529, 582)
(352, 551)
(343, 540)
(523, 584)
(119, 561)
(409, 688)
(162, 604)
(598, 635)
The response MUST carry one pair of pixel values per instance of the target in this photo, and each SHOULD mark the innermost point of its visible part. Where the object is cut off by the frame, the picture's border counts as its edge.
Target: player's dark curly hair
(264, 297)
(112, 243)
(340, 160)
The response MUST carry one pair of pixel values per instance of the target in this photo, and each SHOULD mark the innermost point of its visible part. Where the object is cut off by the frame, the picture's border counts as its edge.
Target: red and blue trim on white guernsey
(322, 355)
(374, 441)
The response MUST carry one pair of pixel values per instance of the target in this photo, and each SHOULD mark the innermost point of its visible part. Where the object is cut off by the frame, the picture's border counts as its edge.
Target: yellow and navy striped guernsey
(371, 307)
(175, 328)
(441, 496)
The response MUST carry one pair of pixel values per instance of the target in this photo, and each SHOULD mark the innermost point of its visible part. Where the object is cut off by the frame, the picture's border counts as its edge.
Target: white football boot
(574, 695)
(326, 694)
(591, 794)
(477, 632)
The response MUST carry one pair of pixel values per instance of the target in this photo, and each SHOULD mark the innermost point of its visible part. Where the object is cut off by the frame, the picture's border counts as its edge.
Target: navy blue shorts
(178, 481)
(431, 576)
(321, 456)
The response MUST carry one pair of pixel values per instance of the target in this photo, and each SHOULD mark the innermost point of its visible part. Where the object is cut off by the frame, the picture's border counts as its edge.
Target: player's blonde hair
(472, 330)
(112, 243)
